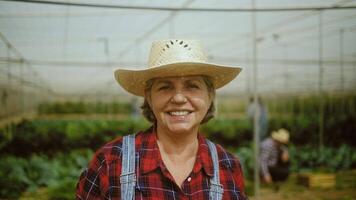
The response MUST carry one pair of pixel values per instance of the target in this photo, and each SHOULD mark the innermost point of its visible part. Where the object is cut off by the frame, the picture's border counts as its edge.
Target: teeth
(179, 113)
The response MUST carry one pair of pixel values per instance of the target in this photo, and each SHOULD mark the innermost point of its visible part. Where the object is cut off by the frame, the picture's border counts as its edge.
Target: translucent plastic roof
(73, 49)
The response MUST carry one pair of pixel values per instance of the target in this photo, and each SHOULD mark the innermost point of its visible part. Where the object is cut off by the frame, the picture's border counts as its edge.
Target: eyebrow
(163, 81)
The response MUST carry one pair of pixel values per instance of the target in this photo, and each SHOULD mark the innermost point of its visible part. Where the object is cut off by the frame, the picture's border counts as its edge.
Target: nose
(179, 98)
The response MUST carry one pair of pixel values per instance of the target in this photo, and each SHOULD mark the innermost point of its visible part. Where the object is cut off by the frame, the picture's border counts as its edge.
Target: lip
(179, 113)
(179, 116)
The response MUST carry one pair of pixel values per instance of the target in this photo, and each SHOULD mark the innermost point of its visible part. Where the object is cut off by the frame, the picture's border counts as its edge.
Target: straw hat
(282, 135)
(170, 58)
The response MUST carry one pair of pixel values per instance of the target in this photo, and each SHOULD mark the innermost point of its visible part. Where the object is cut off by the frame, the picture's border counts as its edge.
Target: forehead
(178, 78)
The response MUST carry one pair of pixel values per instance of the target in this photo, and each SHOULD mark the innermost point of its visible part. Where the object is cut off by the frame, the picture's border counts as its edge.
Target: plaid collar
(150, 157)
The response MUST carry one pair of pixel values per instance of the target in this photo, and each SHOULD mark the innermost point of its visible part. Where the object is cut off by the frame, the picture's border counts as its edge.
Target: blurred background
(59, 101)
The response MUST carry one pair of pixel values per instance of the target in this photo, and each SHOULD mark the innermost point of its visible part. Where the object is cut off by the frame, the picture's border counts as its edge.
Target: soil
(292, 191)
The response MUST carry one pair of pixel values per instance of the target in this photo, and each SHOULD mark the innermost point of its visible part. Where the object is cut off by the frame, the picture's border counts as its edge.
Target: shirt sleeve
(239, 179)
(265, 153)
(93, 179)
(231, 163)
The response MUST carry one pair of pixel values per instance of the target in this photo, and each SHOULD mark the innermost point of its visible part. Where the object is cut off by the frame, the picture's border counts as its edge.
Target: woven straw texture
(169, 58)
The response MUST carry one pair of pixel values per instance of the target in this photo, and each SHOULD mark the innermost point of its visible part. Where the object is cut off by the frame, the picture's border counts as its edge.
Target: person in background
(173, 160)
(274, 157)
(262, 113)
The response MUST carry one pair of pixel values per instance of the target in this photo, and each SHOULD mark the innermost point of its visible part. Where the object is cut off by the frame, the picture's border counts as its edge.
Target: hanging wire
(23, 61)
(185, 9)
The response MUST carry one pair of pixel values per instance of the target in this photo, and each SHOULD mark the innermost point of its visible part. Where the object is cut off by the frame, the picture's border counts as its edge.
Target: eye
(163, 87)
(193, 86)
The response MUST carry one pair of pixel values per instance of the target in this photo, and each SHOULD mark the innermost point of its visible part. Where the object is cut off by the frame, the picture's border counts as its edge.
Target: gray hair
(149, 115)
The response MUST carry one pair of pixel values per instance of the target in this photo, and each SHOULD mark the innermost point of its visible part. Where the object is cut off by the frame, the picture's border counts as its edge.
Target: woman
(172, 160)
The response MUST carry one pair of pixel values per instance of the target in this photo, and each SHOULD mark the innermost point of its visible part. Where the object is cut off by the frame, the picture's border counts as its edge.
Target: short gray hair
(149, 115)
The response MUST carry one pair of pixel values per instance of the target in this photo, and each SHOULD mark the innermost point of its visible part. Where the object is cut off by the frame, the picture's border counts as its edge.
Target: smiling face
(179, 103)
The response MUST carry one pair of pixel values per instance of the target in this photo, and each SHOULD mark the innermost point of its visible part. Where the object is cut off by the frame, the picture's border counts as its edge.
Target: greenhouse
(60, 101)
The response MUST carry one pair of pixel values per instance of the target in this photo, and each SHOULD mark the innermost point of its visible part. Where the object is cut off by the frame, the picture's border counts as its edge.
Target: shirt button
(189, 179)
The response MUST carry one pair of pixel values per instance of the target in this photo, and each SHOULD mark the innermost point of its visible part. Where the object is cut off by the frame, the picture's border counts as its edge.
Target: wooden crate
(318, 180)
(346, 179)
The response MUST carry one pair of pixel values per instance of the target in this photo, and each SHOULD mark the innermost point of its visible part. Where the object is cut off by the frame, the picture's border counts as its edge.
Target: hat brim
(278, 137)
(134, 81)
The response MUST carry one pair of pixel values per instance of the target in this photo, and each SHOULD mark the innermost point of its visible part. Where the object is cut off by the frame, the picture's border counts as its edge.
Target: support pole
(22, 91)
(248, 72)
(321, 99)
(7, 110)
(8, 65)
(341, 59)
(256, 130)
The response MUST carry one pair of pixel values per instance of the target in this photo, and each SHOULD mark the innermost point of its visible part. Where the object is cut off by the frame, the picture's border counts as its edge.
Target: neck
(177, 144)
(276, 143)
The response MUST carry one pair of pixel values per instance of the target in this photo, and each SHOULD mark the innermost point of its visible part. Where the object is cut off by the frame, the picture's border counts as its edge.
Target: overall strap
(216, 189)
(128, 178)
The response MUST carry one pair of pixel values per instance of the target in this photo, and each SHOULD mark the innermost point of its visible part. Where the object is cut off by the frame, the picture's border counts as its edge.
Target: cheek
(202, 103)
(157, 102)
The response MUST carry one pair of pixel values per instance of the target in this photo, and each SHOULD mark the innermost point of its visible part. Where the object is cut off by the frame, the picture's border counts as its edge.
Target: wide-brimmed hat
(170, 58)
(282, 136)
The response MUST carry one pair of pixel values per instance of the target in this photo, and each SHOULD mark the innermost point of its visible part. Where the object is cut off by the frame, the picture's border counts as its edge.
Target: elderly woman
(170, 160)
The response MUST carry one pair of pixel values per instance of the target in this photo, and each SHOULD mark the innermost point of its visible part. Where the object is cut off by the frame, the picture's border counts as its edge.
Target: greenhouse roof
(72, 47)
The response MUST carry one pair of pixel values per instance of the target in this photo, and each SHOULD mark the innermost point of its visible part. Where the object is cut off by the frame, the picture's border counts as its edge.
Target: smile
(179, 113)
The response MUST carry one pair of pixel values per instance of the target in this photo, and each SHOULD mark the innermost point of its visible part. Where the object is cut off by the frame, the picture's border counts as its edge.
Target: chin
(180, 129)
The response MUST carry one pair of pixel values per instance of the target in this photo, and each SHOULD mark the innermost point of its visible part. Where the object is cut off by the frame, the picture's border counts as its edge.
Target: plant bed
(346, 179)
(317, 180)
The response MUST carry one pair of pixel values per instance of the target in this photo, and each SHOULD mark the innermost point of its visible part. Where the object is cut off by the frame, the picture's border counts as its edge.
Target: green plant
(50, 137)
(309, 158)
(13, 180)
(246, 157)
(59, 174)
(63, 189)
(85, 108)
(306, 159)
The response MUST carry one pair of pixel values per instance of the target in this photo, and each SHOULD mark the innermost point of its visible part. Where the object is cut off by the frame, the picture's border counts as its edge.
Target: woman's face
(179, 103)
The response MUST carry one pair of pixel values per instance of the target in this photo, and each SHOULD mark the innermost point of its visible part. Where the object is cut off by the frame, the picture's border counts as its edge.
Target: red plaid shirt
(101, 180)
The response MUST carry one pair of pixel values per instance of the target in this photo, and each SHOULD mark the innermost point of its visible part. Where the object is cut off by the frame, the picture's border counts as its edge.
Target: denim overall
(128, 177)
